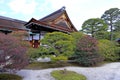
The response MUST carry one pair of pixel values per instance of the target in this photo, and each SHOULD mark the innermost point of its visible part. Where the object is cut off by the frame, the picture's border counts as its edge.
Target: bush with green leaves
(56, 43)
(116, 35)
(102, 35)
(34, 53)
(118, 53)
(109, 50)
(77, 36)
(87, 52)
(59, 43)
(59, 58)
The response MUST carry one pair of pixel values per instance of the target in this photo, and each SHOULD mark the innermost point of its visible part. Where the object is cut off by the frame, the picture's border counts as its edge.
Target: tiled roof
(11, 24)
(43, 24)
(64, 25)
(53, 15)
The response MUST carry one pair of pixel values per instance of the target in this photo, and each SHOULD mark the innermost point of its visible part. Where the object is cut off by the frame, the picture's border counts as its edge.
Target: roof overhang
(47, 26)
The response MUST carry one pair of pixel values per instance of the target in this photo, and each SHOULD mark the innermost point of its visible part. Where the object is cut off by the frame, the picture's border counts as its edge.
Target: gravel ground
(109, 71)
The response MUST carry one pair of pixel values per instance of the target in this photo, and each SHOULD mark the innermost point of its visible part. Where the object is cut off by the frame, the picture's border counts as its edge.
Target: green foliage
(10, 77)
(65, 48)
(67, 75)
(109, 50)
(117, 26)
(77, 36)
(117, 51)
(87, 52)
(34, 53)
(102, 35)
(116, 35)
(91, 26)
(111, 17)
(46, 65)
(59, 58)
(59, 42)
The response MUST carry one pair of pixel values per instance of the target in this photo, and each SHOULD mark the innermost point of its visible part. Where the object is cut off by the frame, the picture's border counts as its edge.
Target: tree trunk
(111, 30)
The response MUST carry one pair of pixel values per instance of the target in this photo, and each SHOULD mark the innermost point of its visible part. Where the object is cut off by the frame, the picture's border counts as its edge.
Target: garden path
(109, 71)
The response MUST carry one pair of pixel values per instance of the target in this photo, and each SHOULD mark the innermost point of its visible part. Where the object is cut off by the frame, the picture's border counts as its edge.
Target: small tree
(60, 43)
(12, 53)
(87, 52)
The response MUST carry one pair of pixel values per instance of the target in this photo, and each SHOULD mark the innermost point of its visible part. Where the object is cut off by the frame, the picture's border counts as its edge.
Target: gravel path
(109, 71)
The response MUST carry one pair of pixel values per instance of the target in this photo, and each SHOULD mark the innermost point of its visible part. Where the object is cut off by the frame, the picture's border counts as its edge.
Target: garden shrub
(59, 58)
(34, 53)
(10, 77)
(109, 50)
(55, 43)
(60, 43)
(77, 36)
(102, 35)
(118, 53)
(42, 51)
(87, 52)
(12, 53)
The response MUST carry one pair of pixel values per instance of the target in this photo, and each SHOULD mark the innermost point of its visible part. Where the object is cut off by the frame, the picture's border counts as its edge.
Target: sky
(78, 10)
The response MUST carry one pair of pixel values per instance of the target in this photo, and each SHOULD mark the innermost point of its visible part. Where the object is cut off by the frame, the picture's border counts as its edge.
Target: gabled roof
(11, 24)
(45, 25)
(53, 16)
(58, 20)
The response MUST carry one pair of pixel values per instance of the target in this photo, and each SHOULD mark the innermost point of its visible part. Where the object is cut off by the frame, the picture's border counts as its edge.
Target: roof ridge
(11, 19)
(61, 9)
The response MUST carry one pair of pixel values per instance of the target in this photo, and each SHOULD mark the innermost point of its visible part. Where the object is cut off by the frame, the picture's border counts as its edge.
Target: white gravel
(109, 71)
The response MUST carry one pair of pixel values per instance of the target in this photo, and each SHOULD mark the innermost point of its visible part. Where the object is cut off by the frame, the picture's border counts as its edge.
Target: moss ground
(67, 75)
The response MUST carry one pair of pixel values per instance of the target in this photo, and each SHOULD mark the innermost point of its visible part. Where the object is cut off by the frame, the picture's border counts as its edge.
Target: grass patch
(67, 75)
(10, 77)
(45, 65)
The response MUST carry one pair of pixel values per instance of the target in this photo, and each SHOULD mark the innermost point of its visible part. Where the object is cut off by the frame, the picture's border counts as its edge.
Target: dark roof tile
(50, 20)
(9, 23)
(53, 15)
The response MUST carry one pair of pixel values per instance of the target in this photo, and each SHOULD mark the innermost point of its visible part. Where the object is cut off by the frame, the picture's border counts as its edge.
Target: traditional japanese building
(56, 21)
(7, 25)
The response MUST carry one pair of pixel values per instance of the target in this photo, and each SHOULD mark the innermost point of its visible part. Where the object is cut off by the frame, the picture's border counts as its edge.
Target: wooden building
(56, 21)
(7, 25)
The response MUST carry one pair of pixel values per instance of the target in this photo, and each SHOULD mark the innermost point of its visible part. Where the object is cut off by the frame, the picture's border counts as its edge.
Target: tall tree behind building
(111, 17)
(93, 25)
